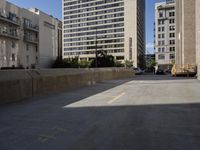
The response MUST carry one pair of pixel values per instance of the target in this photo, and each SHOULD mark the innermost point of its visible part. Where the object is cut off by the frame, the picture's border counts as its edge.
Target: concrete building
(186, 32)
(115, 26)
(165, 34)
(28, 38)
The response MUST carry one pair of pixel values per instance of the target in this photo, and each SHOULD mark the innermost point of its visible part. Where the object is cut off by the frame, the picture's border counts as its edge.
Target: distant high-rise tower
(118, 25)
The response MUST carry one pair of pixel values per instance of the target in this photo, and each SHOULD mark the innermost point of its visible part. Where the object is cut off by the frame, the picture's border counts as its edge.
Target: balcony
(8, 34)
(10, 20)
(31, 40)
(31, 27)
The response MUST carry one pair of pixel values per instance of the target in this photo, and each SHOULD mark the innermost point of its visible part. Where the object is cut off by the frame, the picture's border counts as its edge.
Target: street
(143, 113)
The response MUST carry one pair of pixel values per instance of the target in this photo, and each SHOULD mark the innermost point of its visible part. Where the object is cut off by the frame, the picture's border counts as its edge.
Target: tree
(84, 64)
(103, 60)
(128, 64)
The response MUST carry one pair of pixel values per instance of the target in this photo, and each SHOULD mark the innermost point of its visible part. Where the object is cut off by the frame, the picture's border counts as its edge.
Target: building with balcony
(165, 34)
(28, 37)
(116, 27)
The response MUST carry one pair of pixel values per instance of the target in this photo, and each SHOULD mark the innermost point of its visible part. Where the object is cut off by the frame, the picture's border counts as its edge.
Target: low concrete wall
(198, 71)
(16, 85)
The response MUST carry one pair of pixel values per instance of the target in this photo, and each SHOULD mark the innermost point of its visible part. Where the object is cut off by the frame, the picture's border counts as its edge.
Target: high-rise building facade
(114, 26)
(186, 32)
(28, 38)
(165, 34)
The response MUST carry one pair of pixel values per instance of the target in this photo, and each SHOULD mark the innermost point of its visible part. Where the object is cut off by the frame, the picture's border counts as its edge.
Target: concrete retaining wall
(16, 85)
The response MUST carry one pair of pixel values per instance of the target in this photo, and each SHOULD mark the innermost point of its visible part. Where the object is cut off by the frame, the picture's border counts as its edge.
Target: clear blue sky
(54, 7)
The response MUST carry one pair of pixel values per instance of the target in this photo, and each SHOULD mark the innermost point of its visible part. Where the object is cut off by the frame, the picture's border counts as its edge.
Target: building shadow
(142, 127)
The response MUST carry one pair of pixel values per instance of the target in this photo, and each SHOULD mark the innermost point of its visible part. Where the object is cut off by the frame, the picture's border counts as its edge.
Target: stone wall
(17, 85)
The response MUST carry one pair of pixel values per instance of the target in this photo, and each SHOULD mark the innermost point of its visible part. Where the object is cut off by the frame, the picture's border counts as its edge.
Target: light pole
(96, 62)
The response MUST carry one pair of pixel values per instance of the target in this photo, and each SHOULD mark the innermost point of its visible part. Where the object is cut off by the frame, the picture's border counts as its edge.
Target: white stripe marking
(116, 98)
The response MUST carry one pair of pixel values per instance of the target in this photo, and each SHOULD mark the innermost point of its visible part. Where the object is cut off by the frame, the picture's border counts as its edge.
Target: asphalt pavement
(147, 112)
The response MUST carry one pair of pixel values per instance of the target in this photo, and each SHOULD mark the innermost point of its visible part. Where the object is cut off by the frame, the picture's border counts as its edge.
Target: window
(27, 59)
(36, 59)
(27, 47)
(161, 56)
(163, 49)
(161, 14)
(171, 14)
(36, 48)
(160, 22)
(13, 57)
(13, 44)
(119, 57)
(172, 42)
(49, 25)
(172, 28)
(172, 49)
(171, 56)
(171, 21)
(172, 35)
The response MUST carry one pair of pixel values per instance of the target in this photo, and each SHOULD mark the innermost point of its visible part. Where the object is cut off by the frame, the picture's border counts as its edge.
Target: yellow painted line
(116, 98)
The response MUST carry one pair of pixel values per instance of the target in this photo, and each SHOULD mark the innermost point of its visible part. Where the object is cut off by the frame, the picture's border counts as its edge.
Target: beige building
(118, 26)
(188, 25)
(186, 32)
(197, 17)
(28, 38)
(165, 34)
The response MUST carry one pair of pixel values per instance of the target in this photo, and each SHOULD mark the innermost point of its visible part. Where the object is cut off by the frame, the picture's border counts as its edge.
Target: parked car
(160, 72)
(138, 71)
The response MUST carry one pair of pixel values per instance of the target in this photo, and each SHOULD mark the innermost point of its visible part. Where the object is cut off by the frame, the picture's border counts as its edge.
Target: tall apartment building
(165, 34)
(28, 38)
(114, 26)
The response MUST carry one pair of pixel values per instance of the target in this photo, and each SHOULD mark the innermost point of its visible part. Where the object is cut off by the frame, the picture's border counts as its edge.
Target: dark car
(138, 71)
(160, 72)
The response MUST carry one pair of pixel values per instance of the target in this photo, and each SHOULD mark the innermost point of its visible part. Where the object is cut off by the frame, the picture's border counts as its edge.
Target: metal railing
(9, 34)
(12, 20)
(31, 27)
(31, 40)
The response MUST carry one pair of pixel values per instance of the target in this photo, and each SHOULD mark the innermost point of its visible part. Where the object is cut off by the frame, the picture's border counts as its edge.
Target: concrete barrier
(198, 71)
(16, 85)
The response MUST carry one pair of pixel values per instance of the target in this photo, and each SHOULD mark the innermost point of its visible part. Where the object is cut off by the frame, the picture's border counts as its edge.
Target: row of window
(94, 37)
(94, 47)
(162, 56)
(171, 35)
(92, 52)
(95, 32)
(162, 42)
(86, 1)
(94, 42)
(161, 22)
(94, 28)
(94, 8)
(161, 29)
(170, 14)
(89, 19)
(98, 17)
(162, 49)
(85, 12)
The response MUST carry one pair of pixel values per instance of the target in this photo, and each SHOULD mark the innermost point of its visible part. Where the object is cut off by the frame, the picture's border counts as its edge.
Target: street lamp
(96, 62)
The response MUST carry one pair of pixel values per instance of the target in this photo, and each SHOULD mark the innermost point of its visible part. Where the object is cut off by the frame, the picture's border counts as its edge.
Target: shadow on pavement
(148, 127)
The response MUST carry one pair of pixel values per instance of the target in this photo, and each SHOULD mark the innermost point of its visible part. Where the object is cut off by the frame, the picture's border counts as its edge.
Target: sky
(54, 7)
